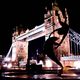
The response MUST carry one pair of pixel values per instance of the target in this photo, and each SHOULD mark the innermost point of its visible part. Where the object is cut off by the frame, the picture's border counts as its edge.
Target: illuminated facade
(52, 19)
(51, 22)
(19, 49)
(68, 52)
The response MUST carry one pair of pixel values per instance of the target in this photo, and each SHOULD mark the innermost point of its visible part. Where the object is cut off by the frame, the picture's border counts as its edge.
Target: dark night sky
(29, 14)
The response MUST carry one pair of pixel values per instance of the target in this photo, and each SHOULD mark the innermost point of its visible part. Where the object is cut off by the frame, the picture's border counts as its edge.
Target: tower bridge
(40, 31)
(68, 50)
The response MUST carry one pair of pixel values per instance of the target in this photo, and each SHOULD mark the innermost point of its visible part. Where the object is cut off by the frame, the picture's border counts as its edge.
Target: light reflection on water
(67, 74)
(17, 76)
(46, 76)
(43, 76)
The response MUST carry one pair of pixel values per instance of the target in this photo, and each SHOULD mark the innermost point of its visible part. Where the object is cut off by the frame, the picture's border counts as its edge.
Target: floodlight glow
(40, 63)
(5, 65)
(9, 65)
(48, 63)
(77, 64)
(7, 59)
